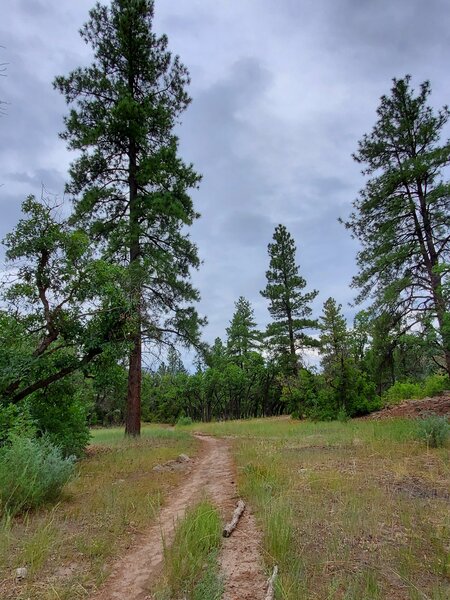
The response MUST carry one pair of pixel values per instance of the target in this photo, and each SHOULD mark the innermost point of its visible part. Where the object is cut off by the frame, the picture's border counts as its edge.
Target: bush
(184, 421)
(32, 472)
(15, 420)
(405, 390)
(61, 415)
(435, 385)
(433, 430)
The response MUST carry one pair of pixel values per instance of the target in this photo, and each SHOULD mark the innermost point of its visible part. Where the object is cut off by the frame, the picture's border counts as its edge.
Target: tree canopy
(402, 216)
(129, 185)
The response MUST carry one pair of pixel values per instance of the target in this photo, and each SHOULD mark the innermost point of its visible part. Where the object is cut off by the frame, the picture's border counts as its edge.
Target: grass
(68, 548)
(191, 569)
(354, 511)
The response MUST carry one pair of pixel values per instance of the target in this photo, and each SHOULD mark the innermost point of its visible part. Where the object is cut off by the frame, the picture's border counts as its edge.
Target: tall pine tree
(130, 187)
(242, 335)
(402, 216)
(288, 306)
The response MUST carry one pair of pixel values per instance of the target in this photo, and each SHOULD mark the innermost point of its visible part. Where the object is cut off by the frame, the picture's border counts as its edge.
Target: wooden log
(228, 529)
(270, 595)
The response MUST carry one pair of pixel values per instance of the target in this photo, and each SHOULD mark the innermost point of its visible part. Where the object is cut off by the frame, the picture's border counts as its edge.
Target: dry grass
(356, 511)
(68, 548)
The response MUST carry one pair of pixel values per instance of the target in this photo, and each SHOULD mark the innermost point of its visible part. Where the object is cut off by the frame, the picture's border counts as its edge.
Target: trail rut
(213, 475)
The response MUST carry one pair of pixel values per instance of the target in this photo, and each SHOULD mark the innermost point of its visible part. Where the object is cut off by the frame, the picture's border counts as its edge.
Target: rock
(183, 458)
(21, 573)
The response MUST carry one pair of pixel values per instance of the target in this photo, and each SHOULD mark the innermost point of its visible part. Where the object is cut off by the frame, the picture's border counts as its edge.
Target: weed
(433, 430)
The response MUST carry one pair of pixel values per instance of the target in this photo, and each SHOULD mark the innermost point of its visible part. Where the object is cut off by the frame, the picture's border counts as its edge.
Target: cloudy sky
(282, 92)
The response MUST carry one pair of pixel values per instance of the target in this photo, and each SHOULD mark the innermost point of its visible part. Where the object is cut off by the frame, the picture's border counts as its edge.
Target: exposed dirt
(439, 405)
(213, 475)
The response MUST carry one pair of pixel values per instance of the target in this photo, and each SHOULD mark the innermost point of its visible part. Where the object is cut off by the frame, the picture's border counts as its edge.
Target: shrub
(184, 421)
(402, 390)
(435, 385)
(15, 420)
(405, 390)
(60, 414)
(433, 430)
(32, 472)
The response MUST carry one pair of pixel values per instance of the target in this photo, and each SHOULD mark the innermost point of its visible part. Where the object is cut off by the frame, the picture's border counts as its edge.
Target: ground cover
(356, 510)
(68, 548)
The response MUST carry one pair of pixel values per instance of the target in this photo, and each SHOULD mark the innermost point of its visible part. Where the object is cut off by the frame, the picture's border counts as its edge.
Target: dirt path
(213, 475)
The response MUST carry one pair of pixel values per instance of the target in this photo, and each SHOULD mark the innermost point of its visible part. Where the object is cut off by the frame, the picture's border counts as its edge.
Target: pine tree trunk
(294, 364)
(133, 417)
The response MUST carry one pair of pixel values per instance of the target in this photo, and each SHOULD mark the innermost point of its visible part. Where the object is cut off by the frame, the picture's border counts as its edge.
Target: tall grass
(190, 563)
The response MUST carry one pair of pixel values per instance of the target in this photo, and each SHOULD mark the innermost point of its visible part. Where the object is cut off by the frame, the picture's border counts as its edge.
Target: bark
(270, 595)
(231, 526)
(133, 415)
(46, 381)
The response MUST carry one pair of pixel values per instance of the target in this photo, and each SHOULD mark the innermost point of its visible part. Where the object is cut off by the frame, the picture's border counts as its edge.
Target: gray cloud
(281, 94)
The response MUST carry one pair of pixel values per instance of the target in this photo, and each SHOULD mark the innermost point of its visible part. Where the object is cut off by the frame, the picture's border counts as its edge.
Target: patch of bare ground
(211, 475)
(439, 405)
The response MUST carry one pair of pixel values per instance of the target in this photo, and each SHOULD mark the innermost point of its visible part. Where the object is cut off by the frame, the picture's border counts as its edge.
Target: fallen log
(228, 529)
(270, 595)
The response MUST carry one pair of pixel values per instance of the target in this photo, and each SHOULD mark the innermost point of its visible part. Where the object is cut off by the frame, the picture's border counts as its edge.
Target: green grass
(354, 511)
(115, 435)
(309, 433)
(191, 570)
(68, 549)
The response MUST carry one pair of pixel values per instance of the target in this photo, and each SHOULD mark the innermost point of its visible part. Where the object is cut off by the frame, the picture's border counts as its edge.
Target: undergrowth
(32, 472)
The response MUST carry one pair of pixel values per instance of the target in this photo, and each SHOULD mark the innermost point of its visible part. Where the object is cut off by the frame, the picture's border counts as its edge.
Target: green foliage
(405, 390)
(242, 336)
(60, 413)
(402, 216)
(184, 421)
(433, 430)
(32, 472)
(197, 539)
(288, 306)
(47, 332)
(15, 420)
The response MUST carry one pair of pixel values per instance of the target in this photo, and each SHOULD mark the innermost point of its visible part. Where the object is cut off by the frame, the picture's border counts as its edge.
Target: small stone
(21, 573)
(183, 458)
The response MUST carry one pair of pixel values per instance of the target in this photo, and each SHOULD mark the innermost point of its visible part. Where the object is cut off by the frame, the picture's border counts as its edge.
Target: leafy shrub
(435, 385)
(32, 472)
(61, 415)
(405, 390)
(433, 430)
(402, 390)
(342, 416)
(15, 420)
(184, 420)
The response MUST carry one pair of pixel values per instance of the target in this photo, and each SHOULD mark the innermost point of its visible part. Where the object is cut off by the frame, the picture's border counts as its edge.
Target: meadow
(356, 510)
(68, 548)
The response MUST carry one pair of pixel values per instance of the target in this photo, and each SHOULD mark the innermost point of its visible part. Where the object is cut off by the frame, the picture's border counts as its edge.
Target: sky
(281, 93)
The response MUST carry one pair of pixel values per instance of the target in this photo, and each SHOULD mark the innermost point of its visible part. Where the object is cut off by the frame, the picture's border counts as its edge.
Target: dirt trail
(213, 475)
